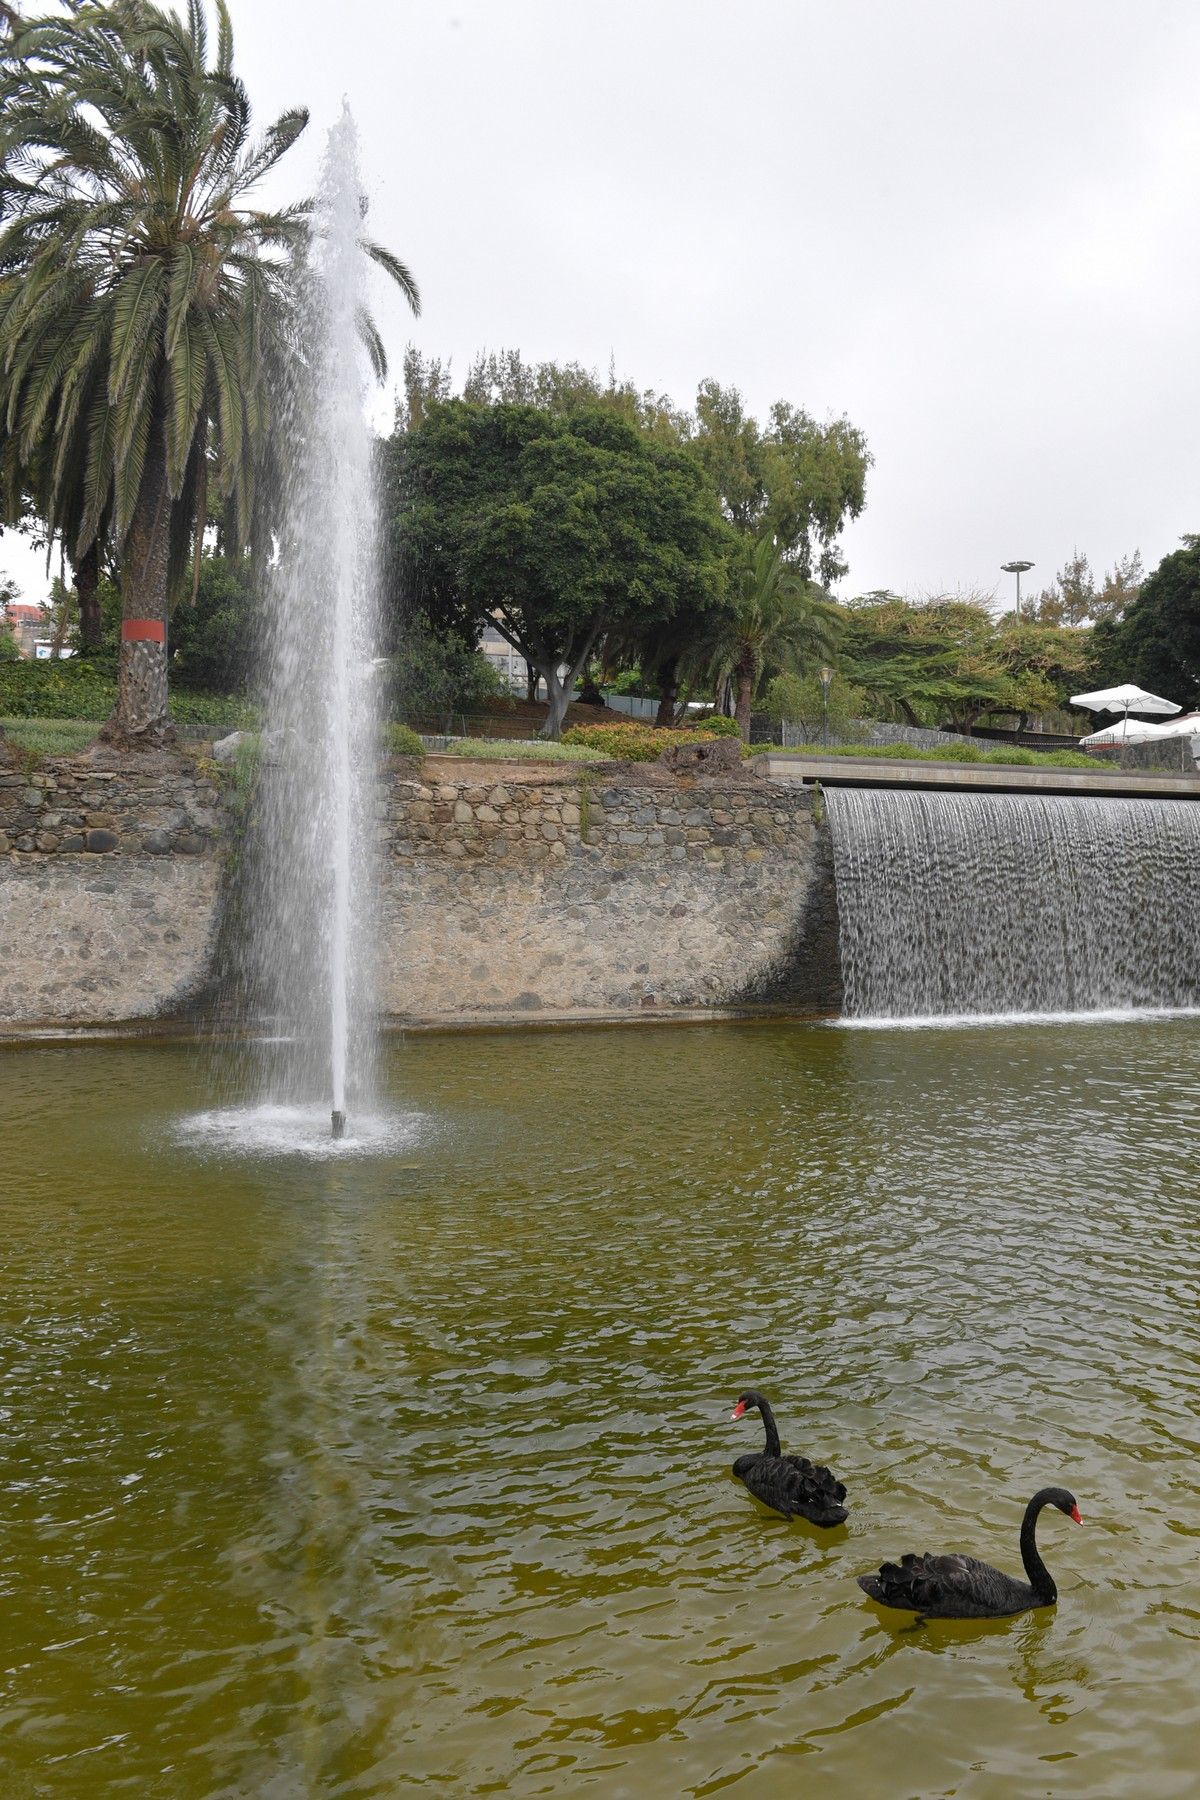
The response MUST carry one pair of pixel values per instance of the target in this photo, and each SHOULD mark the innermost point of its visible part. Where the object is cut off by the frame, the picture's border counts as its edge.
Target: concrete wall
(505, 891)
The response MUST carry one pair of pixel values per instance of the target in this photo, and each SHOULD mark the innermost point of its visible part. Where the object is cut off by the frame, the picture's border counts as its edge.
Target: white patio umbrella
(1124, 699)
(1128, 731)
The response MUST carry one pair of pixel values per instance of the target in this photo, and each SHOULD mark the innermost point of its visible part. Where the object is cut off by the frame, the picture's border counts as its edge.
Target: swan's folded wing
(932, 1583)
(817, 1479)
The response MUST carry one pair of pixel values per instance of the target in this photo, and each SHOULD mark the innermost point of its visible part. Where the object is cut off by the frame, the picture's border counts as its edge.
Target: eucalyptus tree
(147, 308)
(773, 620)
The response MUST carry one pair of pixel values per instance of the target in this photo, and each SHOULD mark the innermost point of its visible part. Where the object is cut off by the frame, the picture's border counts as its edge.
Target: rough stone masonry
(507, 890)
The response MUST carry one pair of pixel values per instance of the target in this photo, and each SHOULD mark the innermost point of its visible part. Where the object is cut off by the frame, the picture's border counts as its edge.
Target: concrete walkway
(803, 768)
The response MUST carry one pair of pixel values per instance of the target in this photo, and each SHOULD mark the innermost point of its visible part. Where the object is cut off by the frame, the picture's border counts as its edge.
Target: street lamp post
(825, 676)
(1017, 569)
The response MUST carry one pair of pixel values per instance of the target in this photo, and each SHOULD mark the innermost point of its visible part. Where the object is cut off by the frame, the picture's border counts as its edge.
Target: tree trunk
(668, 681)
(139, 718)
(559, 694)
(741, 712)
(560, 689)
(87, 585)
(531, 683)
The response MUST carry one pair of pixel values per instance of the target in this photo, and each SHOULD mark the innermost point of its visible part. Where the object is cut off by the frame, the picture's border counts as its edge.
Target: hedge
(74, 689)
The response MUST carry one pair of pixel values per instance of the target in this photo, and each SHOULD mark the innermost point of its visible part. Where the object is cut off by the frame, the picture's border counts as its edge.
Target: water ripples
(358, 1477)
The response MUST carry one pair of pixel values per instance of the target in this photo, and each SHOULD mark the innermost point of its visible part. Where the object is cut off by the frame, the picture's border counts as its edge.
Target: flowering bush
(634, 742)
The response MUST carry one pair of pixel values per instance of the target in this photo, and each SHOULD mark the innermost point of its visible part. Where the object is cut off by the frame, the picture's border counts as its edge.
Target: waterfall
(953, 904)
(312, 890)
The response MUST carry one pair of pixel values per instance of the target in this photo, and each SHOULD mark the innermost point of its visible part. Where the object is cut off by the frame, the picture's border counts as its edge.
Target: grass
(50, 737)
(1017, 756)
(513, 750)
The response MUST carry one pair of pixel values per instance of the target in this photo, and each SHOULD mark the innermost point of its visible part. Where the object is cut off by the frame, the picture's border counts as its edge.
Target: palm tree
(773, 620)
(145, 308)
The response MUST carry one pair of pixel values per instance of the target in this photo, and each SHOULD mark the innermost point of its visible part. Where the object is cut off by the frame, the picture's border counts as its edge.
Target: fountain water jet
(312, 910)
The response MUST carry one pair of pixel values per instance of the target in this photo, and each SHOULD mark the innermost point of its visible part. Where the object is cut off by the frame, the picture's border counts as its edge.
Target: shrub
(633, 742)
(716, 725)
(212, 637)
(54, 690)
(431, 674)
(401, 740)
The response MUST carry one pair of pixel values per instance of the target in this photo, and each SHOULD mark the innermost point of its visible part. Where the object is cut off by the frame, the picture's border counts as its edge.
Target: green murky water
(410, 1472)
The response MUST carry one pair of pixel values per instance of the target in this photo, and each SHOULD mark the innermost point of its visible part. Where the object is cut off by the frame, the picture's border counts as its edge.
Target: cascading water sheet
(953, 904)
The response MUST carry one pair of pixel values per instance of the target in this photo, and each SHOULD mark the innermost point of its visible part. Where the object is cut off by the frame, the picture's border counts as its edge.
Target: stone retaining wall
(505, 890)
(110, 879)
(561, 893)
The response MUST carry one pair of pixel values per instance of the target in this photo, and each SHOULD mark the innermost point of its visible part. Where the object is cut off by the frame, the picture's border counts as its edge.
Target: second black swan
(962, 1587)
(791, 1485)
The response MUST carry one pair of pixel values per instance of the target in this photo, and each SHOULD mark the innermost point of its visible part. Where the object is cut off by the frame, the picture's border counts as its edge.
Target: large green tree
(145, 304)
(558, 529)
(793, 480)
(1156, 640)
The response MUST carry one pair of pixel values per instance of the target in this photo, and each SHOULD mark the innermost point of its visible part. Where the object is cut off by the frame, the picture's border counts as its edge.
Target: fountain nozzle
(339, 1123)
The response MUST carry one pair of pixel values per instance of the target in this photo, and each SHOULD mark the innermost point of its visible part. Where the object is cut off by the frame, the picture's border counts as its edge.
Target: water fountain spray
(313, 902)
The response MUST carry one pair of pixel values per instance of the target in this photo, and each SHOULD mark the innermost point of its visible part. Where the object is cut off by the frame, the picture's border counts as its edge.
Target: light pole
(1017, 569)
(825, 676)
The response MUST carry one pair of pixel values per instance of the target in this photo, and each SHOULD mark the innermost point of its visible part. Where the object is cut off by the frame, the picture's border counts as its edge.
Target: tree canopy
(144, 305)
(1156, 640)
(555, 528)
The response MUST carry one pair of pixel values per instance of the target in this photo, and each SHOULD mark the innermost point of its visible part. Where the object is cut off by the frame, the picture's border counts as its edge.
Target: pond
(362, 1474)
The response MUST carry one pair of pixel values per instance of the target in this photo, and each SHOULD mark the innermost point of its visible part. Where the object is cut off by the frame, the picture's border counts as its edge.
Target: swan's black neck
(768, 1418)
(1040, 1578)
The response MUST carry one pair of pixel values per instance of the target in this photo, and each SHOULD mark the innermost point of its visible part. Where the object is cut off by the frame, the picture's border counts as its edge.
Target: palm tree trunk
(745, 689)
(87, 586)
(668, 681)
(139, 718)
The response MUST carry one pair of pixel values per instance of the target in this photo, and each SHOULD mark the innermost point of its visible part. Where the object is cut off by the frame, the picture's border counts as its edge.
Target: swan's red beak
(738, 1410)
(1076, 1515)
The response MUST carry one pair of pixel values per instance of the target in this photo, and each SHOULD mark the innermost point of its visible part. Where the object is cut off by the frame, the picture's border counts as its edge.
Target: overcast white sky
(972, 228)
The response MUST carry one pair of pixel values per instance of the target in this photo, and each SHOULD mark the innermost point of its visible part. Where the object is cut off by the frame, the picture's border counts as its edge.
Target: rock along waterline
(312, 910)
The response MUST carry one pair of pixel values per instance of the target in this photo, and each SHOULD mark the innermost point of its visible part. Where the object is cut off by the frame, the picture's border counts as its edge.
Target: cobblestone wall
(110, 876)
(504, 891)
(570, 893)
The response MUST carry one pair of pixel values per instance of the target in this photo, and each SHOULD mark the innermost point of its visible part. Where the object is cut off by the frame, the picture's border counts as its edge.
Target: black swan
(962, 1587)
(791, 1485)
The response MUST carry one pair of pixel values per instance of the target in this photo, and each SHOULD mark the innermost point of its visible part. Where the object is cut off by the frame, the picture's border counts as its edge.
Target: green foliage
(1156, 642)
(436, 673)
(54, 690)
(633, 741)
(966, 752)
(145, 307)
(558, 528)
(773, 619)
(74, 689)
(1074, 599)
(8, 644)
(801, 701)
(715, 725)
(212, 636)
(522, 750)
(795, 481)
(402, 741)
(950, 659)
